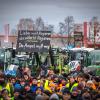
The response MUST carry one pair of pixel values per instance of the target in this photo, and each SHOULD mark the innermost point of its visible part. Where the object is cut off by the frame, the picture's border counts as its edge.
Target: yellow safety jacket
(46, 86)
(8, 87)
(74, 85)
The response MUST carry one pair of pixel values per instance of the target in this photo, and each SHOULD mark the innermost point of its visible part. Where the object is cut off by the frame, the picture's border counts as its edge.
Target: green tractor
(5, 58)
(88, 58)
(94, 57)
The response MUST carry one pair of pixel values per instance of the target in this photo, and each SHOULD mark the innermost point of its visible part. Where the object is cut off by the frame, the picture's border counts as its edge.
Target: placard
(33, 41)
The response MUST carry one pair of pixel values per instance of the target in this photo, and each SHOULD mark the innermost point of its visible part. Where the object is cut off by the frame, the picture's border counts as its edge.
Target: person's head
(34, 81)
(2, 79)
(52, 86)
(16, 93)
(49, 78)
(96, 81)
(28, 96)
(71, 79)
(4, 93)
(90, 84)
(39, 90)
(54, 97)
(26, 77)
(13, 80)
(66, 94)
(94, 94)
(80, 78)
(55, 77)
(47, 92)
(86, 77)
(26, 69)
(97, 97)
(75, 92)
(63, 81)
(80, 86)
(39, 97)
(40, 83)
(86, 94)
(27, 87)
(22, 83)
(51, 72)
(17, 86)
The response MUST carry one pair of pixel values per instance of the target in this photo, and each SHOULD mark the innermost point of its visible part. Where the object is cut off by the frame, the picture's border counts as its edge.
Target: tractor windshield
(95, 57)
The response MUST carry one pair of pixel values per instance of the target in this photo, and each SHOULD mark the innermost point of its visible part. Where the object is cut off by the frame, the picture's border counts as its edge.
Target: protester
(6, 85)
(74, 86)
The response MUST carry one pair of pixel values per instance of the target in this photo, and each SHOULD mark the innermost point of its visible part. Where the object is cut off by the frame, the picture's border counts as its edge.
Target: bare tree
(94, 19)
(25, 24)
(51, 28)
(62, 31)
(14, 32)
(39, 24)
(69, 26)
(61, 28)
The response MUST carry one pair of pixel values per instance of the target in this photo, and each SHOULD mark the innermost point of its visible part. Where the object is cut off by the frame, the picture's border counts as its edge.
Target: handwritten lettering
(33, 41)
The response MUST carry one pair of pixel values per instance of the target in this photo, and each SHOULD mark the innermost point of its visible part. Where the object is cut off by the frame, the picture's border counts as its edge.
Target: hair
(4, 91)
(29, 96)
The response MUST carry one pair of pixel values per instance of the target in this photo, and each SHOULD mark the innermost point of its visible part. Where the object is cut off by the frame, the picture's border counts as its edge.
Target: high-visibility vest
(74, 85)
(10, 98)
(46, 84)
(6, 87)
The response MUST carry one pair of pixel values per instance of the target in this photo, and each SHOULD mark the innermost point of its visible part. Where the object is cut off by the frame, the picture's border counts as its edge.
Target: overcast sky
(52, 11)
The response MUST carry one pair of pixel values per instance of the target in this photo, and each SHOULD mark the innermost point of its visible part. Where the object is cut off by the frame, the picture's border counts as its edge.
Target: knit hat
(90, 81)
(41, 88)
(65, 90)
(74, 89)
(39, 97)
(17, 86)
(54, 96)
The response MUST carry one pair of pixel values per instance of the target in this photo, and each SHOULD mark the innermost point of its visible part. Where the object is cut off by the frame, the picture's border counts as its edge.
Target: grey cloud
(52, 11)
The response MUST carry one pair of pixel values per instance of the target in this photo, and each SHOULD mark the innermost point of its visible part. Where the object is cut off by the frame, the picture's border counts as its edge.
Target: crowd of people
(53, 86)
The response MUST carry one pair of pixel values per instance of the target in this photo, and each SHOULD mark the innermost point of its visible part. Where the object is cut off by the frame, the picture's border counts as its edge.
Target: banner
(33, 41)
